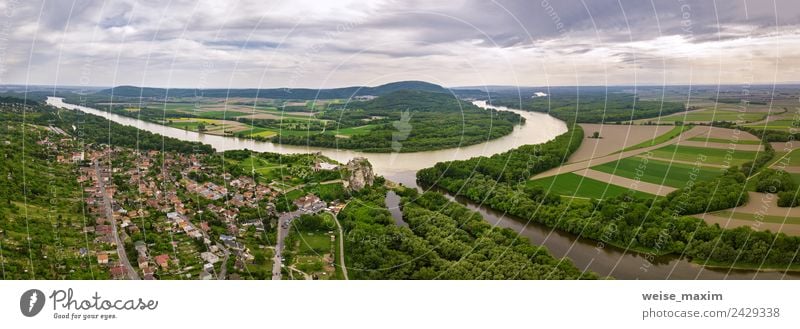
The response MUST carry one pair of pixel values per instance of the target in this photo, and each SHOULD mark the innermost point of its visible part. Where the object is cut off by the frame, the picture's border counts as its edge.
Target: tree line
(648, 225)
(444, 240)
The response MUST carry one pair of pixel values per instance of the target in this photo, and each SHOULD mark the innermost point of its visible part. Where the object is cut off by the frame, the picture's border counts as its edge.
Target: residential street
(283, 220)
(107, 202)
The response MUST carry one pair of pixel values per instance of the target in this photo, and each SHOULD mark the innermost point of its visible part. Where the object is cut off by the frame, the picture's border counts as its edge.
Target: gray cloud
(250, 43)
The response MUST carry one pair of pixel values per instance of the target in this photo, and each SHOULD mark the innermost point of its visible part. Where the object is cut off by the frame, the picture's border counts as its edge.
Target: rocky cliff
(358, 174)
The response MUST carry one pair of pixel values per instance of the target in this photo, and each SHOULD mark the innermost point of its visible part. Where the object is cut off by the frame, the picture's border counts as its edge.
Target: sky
(331, 43)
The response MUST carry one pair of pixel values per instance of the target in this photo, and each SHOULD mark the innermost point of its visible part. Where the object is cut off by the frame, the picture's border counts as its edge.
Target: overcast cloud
(321, 44)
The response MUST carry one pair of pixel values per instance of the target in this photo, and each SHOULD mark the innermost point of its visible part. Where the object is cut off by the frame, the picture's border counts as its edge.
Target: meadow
(658, 172)
(711, 156)
(573, 185)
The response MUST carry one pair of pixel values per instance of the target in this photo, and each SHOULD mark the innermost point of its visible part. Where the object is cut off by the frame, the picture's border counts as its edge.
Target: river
(402, 168)
(397, 167)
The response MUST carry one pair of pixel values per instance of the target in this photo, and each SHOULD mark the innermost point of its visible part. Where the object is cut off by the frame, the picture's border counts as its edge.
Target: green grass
(784, 124)
(657, 172)
(752, 217)
(220, 114)
(792, 159)
(185, 125)
(328, 192)
(713, 156)
(574, 185)
(360, 130)
(713, 115)
(317, 243)
(674, 132)
(726, 141)
(294, 195)
(259, 132)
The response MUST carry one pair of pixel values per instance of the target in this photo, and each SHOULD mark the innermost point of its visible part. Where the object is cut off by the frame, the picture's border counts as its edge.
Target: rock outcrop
(358, 174)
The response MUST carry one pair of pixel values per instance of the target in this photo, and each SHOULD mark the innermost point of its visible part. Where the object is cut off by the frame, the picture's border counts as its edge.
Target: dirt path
(633, 184)
(761, 203)
(571, 167)
(341, 245)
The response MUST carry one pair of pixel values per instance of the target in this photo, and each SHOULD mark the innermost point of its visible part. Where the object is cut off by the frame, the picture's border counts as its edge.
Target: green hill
(276, 93)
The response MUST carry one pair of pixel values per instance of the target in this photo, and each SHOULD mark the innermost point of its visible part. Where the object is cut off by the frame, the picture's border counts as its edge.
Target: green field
(713, 115)
(713, 156)
(726, 141)
(220, 114)
(217, 110)
(315, 243)
(674, 132)
(791, 159)
(259, 132)
(573, 185)
(784, 124)
(352, 131)
(657, 172)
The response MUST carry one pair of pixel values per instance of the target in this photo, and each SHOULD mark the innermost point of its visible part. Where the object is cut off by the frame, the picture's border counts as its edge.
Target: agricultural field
(573, 185)
(353, 131)
(723, 140)
(612, 138)
(209, 126)
(713, 156)
(672, 133)
(709, 115)
(791, 159)
(658, 172)
(781, 124)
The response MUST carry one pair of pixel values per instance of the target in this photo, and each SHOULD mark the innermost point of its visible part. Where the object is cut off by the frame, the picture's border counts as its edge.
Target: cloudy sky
(327, 43)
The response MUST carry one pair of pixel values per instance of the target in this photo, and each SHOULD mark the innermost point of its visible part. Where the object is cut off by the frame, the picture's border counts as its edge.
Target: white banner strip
(396, 304)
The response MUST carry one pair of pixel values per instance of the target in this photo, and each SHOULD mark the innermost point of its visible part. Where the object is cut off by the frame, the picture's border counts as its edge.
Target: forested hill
(417, 101)
(274, 93)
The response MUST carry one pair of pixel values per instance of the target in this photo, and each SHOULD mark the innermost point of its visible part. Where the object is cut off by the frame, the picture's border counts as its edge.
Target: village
(164, 215)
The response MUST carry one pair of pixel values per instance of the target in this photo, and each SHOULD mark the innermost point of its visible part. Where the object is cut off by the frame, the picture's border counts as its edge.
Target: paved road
(282, 233)
(341, 246)
(223, 272)
(107, 202)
